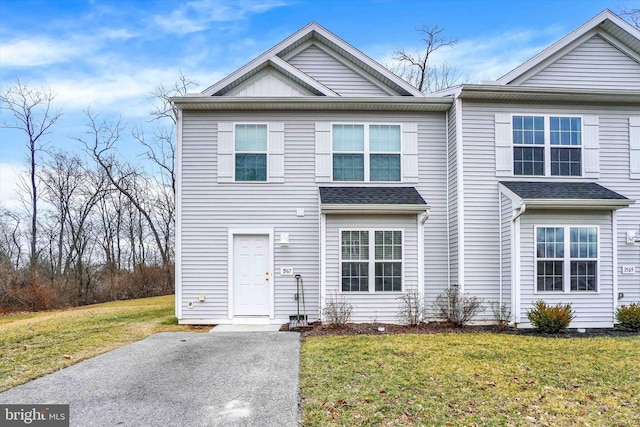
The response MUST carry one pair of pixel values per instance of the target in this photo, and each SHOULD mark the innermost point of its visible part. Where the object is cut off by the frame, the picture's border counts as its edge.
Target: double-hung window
(566, 259)
(547, 146)
(371, 265)
(366, 152)
(566, 140)
(251, 152)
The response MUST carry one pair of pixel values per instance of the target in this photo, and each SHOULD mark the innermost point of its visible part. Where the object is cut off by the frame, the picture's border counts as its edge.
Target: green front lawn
(470, 379)
(34, 344)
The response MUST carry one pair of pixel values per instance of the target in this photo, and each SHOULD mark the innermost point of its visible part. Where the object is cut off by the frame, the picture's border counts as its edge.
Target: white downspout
(614, 247)
(447, 203)
(500, 246)
(521, 210)
(515, 268)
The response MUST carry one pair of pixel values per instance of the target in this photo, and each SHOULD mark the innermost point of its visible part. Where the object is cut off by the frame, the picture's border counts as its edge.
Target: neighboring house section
(314, 160)
(549, 183)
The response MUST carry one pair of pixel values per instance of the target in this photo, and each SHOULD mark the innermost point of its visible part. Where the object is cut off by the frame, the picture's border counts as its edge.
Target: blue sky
(110, 55)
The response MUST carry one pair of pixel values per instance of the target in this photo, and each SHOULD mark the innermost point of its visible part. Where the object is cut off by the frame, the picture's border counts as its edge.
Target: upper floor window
(547, 146)
(566, 259)
(251, 152)
(366, 152)
(371, 265)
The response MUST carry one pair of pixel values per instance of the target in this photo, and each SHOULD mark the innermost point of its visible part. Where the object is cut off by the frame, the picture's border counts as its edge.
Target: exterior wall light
(284, 240)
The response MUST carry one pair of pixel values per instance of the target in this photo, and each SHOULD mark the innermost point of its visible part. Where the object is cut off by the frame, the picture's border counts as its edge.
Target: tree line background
(93, 226)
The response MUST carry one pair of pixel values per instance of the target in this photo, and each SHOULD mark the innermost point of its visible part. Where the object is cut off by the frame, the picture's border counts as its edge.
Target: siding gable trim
(314, 30)
(596, 24)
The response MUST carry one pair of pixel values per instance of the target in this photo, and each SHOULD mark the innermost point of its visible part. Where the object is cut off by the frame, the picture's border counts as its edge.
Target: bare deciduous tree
(124, 177)
(34, 115)
(418, 68)
(634, 16)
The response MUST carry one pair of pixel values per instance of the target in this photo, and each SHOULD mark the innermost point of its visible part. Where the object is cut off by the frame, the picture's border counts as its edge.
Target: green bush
(550, 319)
(629, 316)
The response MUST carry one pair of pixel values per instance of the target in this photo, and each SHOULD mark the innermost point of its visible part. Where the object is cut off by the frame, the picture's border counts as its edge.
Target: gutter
(394, 103)
(518, 212)
(376, 208)
(545, 94)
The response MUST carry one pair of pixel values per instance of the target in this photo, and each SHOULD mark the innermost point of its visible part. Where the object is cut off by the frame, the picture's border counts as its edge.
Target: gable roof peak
(314, 30)
(605, 21)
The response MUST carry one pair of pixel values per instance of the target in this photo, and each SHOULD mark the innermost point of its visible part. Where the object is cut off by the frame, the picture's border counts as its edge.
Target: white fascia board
(304, 32)
(373, 209)
(566, 41)
(549, 94)
(292, 71)
(178, 220)
(384, 103)
(607, 204)
(453, 91)
(258, 61)
(515, 199)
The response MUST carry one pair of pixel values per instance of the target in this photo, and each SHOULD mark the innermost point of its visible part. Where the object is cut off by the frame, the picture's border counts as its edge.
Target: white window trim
(266, 152)
(372, 262)
(547, 145)
(566, 271)
(367, 152)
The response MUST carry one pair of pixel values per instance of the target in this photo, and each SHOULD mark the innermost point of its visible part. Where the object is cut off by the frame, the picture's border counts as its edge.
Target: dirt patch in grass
(351, 329)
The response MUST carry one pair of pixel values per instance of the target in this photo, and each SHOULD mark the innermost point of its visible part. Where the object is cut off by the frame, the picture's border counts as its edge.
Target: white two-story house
(314, 160)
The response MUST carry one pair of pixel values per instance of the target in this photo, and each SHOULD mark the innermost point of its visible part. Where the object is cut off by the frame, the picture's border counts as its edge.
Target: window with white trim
(371, 265)
(566, 259)
(547, 145)
(251, 152)
(366, 152)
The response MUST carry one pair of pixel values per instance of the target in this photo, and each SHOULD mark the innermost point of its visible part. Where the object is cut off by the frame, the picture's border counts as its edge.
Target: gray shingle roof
(561, 190)
(371, 196)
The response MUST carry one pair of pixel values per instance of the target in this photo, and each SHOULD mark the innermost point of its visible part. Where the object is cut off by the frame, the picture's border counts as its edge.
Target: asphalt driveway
(179, 379)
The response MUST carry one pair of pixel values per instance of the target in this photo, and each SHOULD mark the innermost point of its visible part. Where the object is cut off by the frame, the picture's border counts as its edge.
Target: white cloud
(41, 51)
(127, 91)
(198, 15)
(9, 174)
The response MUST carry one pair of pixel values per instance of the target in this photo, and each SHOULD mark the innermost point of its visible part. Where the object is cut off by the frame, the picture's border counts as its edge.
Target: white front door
(251, 275)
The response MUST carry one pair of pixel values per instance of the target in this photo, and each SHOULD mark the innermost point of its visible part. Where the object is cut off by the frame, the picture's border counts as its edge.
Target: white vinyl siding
(596, 63)
(452, 197)
(268, 82)
(334, 73)
(210, 209)
(481, 203)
